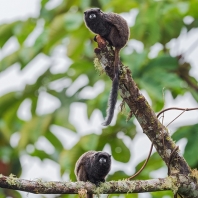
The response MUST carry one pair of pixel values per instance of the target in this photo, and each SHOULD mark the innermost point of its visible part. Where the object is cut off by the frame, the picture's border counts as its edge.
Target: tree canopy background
(155, 64)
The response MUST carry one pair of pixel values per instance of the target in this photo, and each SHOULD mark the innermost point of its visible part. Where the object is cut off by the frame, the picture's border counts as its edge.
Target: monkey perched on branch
(93, 166)
(115, 30)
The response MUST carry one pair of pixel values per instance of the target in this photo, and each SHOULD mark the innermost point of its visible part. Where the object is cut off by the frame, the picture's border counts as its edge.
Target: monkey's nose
(102, 160)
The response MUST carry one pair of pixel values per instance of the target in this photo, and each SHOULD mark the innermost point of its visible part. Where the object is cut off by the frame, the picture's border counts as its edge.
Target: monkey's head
(93, 14)
(102, 161)
(95, 21)
(102, 158)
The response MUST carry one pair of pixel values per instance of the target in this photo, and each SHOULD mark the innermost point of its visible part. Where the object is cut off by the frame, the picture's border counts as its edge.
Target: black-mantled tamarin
(93, 166)
(115, 30)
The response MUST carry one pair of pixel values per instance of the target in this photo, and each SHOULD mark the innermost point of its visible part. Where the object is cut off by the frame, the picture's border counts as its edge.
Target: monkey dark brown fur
(115, 30)
(93, 166)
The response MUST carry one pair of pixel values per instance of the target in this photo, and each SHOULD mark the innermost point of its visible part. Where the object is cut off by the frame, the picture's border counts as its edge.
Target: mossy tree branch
(122, 187)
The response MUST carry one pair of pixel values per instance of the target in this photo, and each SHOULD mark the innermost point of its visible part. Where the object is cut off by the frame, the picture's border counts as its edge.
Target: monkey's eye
(92, 16)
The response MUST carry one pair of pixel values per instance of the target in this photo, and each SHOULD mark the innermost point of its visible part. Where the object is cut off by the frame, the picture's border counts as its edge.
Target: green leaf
(191, 133)
(183, 7)
(167, 194)
(73, 21)
(68, 159)
(118, 175)
(33, 129)
(158, 74)
(89, 142)
(76, 46)
(43, 2)
(6, 32)
(23, 29)
(115, 5)
(54, 141)
(192, 10)
(119, 150)
(12, 193)
(9, 60)
(41, 154)
(144, 29)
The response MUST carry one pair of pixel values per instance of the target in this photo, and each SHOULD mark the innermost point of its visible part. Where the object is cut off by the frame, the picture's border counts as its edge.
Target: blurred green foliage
(156, 22)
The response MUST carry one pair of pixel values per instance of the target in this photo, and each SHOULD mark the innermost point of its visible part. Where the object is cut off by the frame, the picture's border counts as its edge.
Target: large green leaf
(6, 32)
(23, 29)
(120, 151)
(191, 134)
(33, 129)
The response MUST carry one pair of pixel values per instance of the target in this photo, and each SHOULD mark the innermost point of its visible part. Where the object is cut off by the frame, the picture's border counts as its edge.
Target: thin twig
(177, 108)
(145, 163)
(176, 118)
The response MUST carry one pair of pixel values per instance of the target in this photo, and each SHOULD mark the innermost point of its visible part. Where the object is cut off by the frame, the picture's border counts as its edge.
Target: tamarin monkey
(115, 30)
(93, 166)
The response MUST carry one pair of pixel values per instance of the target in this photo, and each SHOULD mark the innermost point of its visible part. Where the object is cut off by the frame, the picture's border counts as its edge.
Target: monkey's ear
(98, 9)
(85, 12)
(96, 154)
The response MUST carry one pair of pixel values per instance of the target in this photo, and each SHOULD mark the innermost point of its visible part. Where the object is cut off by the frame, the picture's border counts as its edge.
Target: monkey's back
(80, 171)
(120, 32)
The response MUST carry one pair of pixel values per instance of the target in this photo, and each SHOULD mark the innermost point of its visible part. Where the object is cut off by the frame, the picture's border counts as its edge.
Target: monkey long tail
(112, 101)
(114, 91)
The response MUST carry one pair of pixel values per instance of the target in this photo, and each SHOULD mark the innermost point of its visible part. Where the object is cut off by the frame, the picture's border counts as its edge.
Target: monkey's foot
(101, 41)
(82, 193)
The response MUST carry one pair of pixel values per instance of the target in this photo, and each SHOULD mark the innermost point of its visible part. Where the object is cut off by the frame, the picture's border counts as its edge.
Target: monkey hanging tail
(114, 91)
